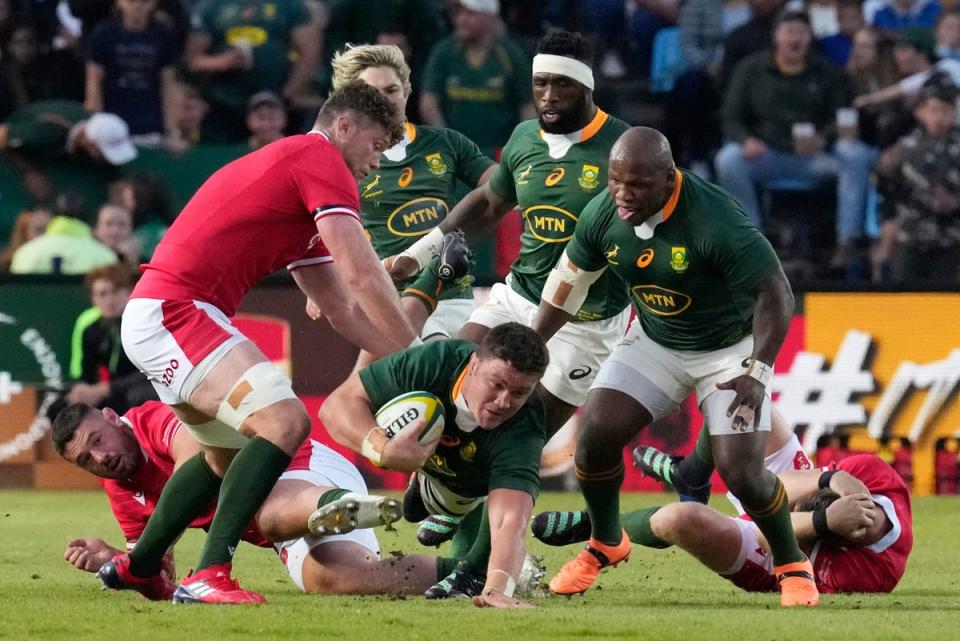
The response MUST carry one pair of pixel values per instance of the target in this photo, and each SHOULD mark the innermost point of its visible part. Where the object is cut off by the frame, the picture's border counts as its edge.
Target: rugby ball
(403, 411)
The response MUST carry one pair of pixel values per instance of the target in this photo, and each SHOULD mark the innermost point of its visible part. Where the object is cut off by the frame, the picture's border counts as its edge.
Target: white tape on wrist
(425, 248)
(760, 371)
(369, 449)
(509, 584)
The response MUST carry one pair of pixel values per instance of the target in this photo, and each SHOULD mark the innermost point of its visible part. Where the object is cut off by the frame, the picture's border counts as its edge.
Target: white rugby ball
(403, 411)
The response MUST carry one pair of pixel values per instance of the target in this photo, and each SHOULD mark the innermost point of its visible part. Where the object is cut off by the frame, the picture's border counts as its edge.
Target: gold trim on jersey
(455, 392)
(591, 130)
(411, 131)
(674, 197)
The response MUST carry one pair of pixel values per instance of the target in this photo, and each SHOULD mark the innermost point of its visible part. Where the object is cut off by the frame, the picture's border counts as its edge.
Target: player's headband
(563, 66)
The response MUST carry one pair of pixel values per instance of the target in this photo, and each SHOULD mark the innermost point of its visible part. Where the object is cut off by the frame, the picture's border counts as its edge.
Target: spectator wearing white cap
(477, 81)
(51, 128)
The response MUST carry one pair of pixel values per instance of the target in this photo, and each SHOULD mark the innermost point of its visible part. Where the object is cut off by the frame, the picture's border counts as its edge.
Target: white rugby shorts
(577, 350)
(322, 467)
(660, 378)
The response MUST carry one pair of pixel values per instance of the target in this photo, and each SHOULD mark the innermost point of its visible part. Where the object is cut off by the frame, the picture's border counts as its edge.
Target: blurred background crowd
(833, 122)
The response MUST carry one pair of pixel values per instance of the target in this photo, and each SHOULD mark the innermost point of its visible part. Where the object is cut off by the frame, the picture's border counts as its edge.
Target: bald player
(713, 306)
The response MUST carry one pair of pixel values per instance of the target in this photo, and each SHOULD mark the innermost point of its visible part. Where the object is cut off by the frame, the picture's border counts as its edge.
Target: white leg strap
(260, 386)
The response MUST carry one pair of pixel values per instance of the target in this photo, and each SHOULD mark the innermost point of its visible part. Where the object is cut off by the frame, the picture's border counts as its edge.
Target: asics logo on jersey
(645, 258)
(660, 300)
(555, 176)
(405, 177)
(580, 372)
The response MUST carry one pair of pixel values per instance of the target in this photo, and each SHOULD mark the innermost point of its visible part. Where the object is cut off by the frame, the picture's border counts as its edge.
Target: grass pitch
(658, 595)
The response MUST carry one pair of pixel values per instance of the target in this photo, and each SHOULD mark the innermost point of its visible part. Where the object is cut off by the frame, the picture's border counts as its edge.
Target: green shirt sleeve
(515, 459)
(434, 72)
(585, 249)
(84, 320)
(738, 249)
(470, 161)
(501, 182)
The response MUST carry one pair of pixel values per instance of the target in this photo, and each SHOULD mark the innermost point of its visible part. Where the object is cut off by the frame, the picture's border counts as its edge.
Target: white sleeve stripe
(303, 262)
(890, 537)
(337, 211)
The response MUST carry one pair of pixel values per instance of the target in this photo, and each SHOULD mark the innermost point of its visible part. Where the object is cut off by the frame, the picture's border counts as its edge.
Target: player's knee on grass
(340, 568)
(675, 522)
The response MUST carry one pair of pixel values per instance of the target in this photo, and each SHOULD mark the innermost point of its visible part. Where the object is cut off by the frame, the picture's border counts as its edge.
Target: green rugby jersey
(551, 193)
(472, 463)
(405, 199)
(690, 269)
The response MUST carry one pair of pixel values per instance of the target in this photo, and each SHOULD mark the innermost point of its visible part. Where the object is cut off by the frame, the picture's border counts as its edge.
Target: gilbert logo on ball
(409, 409)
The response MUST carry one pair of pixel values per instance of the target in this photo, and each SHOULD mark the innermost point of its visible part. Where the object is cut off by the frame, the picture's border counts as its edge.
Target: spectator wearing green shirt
(240, 47)
(477, 81)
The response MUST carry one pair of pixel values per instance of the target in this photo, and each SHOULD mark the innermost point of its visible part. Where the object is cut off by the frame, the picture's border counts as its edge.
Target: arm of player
(799, 484)
(509, 512)
(349, 420)
(771, 319)
(305, 41)
(365, 277)
(563, 294)
(328, 296)
(477, 213)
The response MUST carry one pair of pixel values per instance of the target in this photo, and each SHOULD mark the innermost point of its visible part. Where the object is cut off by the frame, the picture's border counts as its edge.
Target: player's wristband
(373, 444)
(425, 248)
(502, 583)
(820, 523)
(824, 481)
(759, 371)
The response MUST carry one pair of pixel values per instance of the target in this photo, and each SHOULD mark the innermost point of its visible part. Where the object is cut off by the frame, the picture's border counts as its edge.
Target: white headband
(563, 66)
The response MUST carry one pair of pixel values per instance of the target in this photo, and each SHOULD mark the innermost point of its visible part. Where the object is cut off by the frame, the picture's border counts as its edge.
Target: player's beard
(569, 121)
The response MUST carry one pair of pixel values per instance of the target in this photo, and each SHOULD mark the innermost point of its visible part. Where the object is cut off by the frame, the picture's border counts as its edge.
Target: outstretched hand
(89, 554)
(745, 408)
(491, 598)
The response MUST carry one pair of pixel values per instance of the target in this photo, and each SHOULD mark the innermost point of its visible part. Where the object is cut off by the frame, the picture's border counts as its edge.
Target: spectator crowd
(833, 122)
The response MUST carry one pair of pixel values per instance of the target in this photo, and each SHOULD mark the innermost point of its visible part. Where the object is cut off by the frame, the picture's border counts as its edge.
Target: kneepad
(260, 386)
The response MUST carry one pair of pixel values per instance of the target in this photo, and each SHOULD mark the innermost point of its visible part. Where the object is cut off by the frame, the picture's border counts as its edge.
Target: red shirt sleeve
(325, 184)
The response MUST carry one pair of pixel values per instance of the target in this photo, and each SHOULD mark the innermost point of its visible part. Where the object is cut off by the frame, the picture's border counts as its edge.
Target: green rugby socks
(637, 526)
(191, 490)
(774, 521)
(601, 491)
(246, 485)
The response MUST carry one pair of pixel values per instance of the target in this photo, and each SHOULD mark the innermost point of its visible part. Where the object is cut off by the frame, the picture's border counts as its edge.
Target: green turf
(658, 595)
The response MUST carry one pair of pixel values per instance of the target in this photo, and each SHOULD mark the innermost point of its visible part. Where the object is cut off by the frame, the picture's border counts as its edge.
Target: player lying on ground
(854, 522)
(293, 203)
(136, 454)
(490, 448)
(713, 307)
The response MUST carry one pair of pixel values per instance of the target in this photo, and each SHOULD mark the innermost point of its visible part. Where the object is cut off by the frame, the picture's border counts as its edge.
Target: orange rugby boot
(797, 585)
(577, 575)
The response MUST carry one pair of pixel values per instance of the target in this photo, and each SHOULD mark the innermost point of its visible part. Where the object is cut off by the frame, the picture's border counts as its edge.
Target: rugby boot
(214, 585)
(437, 529)
(353, 512)
(115, 575)
(462, 582)
(663, 467)
(578, 574)
(797, 585)
(414, 509)
(561, 528)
